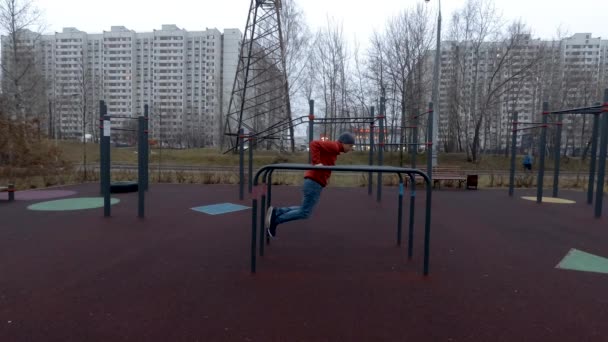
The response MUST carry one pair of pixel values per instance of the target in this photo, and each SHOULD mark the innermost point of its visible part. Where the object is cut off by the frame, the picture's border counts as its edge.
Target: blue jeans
(311, 192)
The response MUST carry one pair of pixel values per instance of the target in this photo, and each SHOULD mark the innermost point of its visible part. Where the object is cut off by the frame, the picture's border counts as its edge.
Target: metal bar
(427, 226)
(101, 150)
(250, 161)
(542, 147)
(582, 110)
(140, 167)
(592, 162)
(410, 241)
(429, 148)
(241, 166)
(513, 152)
(311, 127)
(262, 223)
(371, 155)
(558, 147)
(349, 168)
(533, 127)
(400, 211)
(601, 170)
(106, 166)
(146, 148)
(380, 150)
(254, 219)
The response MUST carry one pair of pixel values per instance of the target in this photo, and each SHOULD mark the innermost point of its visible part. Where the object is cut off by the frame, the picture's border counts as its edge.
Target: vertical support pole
(311, 127)
(429, 145)
(268, 198)
(601, 170)
(262, 223)
(105, 171)
(141, 158)
(371, 153)
(400, 213)
(241, 166)
(513, 153)
(254, 218)
(380, 149)
(558, 148)
(251, 140)
(101, 149)
(414, 143)
(410, 244)
(592, 161)
(146, 148)
(542, 147)
(427, 227)
(11, 192)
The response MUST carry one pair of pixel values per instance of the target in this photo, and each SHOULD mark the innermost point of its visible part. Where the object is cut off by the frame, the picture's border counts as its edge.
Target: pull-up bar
(268, 169)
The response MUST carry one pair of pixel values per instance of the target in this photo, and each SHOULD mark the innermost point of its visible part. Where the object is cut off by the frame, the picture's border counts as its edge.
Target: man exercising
(323, 153)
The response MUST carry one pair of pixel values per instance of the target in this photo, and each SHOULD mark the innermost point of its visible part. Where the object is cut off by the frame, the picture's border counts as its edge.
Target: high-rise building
(571, 73)
(181, 75)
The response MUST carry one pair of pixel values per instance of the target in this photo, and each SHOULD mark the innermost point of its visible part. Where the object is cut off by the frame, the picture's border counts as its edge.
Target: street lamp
(435, 94)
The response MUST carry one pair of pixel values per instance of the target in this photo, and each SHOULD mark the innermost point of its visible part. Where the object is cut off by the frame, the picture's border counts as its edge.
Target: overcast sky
(359, 17)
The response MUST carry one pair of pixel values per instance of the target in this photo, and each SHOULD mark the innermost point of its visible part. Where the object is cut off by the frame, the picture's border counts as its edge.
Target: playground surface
(182, 274)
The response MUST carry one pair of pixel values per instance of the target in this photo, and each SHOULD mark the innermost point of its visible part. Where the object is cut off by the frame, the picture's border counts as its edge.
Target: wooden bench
(11, 191)
(453, 174)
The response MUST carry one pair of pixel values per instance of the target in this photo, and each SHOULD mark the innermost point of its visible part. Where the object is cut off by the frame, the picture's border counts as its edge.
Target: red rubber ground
(180, 275)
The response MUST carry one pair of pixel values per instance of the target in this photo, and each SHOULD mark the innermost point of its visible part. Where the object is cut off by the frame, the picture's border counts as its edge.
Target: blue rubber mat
(220, 208)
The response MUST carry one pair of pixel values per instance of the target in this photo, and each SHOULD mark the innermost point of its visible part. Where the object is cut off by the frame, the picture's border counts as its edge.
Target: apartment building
(179, 74)
(573, 72)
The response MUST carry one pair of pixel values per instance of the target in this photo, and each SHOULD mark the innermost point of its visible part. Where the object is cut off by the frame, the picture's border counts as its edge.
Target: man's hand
(320, 164)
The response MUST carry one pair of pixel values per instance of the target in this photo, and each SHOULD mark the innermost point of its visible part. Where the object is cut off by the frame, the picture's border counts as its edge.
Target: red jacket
(326, 153)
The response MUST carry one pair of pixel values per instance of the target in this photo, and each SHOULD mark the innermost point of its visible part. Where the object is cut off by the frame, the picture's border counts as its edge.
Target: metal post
(434, 134)
(414, 144)
(380, 149)
(429, 146)
(513, 153)
(601, 170)
(427, 227)
(543, 143)
(400, 212)
(251, 139)
(254, 219)
(558, 147)
(106, 157)
(11, 192)
(101, 149)
(592, 162)
(241, 166)
(262, 223)
(141, 158)
(410, 244)
(371, 154)
(146, 148)
(311, 127)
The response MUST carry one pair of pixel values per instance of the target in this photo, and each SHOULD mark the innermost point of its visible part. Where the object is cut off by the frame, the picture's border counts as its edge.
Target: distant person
(323, 153)
(528, 162)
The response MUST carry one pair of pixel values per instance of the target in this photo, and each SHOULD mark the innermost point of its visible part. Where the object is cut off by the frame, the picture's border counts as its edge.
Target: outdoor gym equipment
(105, 157)
(599, 132)
(266, 172)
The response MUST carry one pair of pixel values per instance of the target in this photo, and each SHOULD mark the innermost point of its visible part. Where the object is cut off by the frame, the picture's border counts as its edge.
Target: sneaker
(272, 228)
(269, 214)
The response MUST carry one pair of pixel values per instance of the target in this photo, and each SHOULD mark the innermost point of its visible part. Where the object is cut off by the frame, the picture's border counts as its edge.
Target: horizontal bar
(526, 128)
(582, 110)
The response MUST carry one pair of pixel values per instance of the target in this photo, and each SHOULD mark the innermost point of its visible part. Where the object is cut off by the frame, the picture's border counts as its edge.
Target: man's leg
(311, 192)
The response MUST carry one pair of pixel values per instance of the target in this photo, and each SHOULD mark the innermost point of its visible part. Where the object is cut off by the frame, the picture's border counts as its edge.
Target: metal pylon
(260, 93)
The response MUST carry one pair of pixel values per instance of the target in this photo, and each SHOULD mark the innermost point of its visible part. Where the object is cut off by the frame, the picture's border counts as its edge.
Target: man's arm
(317, 147)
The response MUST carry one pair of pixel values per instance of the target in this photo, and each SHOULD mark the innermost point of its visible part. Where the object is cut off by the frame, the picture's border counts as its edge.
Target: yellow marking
(549, 200)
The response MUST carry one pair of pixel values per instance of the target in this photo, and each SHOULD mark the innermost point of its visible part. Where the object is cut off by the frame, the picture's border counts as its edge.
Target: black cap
(347, 138)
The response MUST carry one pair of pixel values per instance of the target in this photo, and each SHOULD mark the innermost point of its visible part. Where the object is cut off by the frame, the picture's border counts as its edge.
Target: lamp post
(435, 93)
